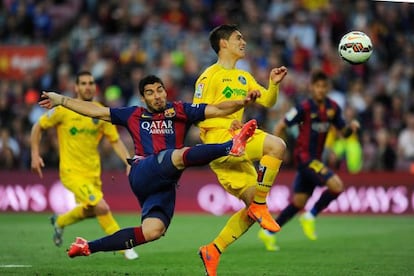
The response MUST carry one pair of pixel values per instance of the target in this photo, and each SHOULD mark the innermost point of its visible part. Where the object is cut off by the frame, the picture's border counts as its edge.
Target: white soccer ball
(355, 47)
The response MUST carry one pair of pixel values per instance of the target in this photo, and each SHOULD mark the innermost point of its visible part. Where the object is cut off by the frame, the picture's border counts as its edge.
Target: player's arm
(122, 152)
(269, 98)
(280, 129)
(52, 99)
(37, 161)
(352, 127)
(229, 107)
(293, 116)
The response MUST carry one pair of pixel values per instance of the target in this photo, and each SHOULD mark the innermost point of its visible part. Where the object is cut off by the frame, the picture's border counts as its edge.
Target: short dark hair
(317, 76)
(82, 73)
(150, 79)
(221, 32)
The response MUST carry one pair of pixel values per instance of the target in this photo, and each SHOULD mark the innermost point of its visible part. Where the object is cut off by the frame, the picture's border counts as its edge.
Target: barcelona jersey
(154, 132)
(314, 121)
(78, 137)
(217, 84)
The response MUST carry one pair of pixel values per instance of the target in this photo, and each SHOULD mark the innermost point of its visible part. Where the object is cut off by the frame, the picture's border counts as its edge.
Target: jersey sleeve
(120, 116)
(51, 118)
(338, 121)
(110, 132)
(294, 116)
(195, 112)
(268, 96)
(203, 85)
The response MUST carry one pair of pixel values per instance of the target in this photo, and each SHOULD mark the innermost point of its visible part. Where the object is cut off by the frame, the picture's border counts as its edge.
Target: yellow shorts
(87, 190)
(236, 174)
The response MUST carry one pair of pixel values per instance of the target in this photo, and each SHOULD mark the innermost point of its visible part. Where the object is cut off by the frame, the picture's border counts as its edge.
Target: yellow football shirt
(78, 137)
(217, 84)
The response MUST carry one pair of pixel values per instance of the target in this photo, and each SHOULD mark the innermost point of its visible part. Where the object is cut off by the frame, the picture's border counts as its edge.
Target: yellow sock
(68, 218)
(108, 223)
(268, 169)
(236, 226)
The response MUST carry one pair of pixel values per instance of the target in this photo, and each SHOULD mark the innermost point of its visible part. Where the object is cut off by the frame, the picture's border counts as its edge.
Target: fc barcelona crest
(170, 112)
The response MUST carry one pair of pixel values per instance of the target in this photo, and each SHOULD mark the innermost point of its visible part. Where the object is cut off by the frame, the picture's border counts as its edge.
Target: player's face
(155, 97)
(85, 88)
(237, 45)
(319, 90)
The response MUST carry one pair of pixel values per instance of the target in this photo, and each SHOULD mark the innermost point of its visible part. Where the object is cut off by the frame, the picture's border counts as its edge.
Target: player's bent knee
(274, 146)
(335, 184)
(89, 211)
(101, 209)
(153, 228)
(299, 204)
(178, 159)
(154, 234)
(337, 189)
(299, 200)
(280, 145)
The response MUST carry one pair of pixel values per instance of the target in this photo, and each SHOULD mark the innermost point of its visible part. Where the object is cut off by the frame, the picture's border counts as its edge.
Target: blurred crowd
(120, 41)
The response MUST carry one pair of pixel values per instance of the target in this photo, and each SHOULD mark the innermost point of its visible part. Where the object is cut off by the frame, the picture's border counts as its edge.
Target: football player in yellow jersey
(223, 81)
(79, 164)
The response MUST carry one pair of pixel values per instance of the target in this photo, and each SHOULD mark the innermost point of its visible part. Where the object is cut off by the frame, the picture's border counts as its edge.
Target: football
(355, 47)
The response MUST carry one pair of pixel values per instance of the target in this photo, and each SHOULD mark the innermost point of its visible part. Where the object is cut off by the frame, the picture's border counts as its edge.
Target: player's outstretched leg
(240, 140)
(58, 231)
(210, 255)
(79, 248)
(203, 154)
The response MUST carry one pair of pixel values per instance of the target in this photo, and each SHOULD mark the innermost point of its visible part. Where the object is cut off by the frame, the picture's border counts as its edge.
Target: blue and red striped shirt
(314, 122)
(154, 132)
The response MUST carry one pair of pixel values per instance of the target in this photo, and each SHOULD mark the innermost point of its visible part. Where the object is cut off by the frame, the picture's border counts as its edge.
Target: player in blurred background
(314, 117)
(158, 133)
(220, 82)
(80, 165)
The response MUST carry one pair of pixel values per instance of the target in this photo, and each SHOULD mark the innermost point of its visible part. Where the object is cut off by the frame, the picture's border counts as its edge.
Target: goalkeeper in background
(79, 165)
(314, 117)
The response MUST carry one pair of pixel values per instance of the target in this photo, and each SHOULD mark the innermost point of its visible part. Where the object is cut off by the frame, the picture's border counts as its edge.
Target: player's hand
(37, 165)
(277, 74)
(50, 99)
(235, 125)
(252, 96)
(354, 125)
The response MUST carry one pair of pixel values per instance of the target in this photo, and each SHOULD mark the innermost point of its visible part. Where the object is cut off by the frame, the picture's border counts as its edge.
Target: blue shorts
(309, 175)
(153, 181)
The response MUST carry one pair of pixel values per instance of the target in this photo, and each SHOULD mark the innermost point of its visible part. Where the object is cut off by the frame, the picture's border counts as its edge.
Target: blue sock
(323, 202)
(120, 240)
(200, 155)
(287, 214)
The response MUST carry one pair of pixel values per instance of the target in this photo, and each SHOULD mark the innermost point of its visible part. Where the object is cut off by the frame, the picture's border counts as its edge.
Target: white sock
(308, 215)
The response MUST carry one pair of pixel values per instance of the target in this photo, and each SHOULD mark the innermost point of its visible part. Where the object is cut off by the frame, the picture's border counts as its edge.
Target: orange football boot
(240, 139)
(79, 248)
(261, 214)
(210, 256)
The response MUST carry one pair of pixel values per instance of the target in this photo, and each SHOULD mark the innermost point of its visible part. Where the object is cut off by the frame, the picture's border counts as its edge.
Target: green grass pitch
(347, 245)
